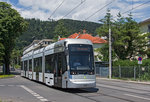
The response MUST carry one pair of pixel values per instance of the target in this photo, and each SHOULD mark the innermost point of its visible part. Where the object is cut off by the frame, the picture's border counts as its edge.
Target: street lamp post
(110, 64)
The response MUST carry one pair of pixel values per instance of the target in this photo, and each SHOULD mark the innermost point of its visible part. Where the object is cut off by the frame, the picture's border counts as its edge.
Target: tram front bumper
(81, 84)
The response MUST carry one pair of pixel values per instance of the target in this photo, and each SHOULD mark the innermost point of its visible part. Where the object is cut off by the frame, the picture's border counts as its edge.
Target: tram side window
(64, 63)
(30, 65)
(49, 63)
(38, 64)
(25, 65)
(21, 65)
(61, 62)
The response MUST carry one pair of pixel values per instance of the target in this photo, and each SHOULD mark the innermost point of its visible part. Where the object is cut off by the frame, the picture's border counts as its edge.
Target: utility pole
(110, 64)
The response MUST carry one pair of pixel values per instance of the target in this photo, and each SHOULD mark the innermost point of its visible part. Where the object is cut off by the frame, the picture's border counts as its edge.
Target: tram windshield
(81, 58)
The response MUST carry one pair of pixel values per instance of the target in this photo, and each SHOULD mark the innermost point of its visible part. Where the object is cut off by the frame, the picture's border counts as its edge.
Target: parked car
(12, 69)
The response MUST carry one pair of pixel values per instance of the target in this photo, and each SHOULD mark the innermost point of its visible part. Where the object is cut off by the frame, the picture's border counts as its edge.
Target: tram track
(94, 94)
(133, 91)
(125, 87)
(102, 94)
(145, 92)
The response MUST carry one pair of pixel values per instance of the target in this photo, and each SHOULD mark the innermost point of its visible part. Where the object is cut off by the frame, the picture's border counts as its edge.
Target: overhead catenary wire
(121, 13)
(56, 9)
(135, 7)
(132, 6)
(100, 9)
(82, 1)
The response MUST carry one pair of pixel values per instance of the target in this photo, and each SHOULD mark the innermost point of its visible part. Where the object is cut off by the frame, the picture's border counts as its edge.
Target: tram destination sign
(75, 48)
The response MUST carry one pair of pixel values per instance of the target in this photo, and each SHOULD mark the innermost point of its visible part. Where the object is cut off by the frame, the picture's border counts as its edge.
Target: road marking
(34, 93)
(44, 100)
(11, 85)
(2, 85)
(137, 97)
(40, 97)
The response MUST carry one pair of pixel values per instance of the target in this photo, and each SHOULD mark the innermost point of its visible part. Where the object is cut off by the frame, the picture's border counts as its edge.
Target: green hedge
(145, 62)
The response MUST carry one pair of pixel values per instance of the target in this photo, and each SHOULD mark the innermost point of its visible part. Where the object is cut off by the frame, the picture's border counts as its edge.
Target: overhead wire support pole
(56, 9)
(110, 54)
(82, 1)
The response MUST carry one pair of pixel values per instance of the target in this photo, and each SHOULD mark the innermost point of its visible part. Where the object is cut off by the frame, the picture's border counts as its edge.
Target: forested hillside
(45, 29)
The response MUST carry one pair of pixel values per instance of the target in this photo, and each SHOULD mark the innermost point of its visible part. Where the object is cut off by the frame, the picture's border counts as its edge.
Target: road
(20, 89)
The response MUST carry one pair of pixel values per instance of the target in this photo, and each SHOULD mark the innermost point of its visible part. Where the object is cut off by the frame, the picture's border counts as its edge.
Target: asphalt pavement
(19, 89)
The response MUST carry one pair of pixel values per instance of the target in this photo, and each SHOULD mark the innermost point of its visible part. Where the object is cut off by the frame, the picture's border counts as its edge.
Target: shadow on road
(86, 90)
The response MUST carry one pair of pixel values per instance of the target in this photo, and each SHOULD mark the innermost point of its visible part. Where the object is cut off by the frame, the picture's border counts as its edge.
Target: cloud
(4, 0)
(42, 9)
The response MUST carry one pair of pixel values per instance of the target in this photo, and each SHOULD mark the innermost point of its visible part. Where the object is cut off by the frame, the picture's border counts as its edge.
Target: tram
(67, 64)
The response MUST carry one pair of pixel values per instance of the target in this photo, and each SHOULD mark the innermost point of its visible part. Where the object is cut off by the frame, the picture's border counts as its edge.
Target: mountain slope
(45, 29)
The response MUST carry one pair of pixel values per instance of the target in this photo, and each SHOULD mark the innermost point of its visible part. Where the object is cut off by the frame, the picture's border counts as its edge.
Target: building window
(149, 28)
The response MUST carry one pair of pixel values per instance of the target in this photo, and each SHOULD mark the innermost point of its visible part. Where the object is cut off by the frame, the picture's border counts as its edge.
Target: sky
(85, 10)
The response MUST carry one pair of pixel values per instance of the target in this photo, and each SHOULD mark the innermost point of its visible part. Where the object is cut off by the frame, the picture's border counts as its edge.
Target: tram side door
(58, 70)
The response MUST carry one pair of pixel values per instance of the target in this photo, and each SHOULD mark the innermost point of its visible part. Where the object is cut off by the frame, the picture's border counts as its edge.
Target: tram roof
(59, 43)
(77, 41)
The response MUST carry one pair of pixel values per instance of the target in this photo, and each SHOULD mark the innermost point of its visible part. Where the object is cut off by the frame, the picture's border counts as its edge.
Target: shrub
(145, 76)
(145, 62)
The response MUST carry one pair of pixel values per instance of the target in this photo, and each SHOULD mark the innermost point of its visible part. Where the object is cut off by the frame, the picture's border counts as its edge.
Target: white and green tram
(54, 64)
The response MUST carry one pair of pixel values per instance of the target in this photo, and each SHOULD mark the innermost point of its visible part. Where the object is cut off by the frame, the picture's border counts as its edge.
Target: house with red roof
(97, 41)
(145, 26)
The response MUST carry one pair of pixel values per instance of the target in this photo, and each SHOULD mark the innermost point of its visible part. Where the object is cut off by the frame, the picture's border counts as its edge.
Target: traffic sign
(139, 58)
(139, 62)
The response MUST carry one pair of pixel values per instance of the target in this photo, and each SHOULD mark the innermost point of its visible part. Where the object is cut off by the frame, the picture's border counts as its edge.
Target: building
(37, 44)
(97, 41)
(145, 26)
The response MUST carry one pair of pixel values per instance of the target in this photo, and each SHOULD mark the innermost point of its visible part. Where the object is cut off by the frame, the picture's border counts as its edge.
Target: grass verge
(6, 76)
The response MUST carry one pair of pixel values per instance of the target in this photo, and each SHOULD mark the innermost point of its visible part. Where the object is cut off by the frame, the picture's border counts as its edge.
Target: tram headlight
(91, 73)
(73, 73)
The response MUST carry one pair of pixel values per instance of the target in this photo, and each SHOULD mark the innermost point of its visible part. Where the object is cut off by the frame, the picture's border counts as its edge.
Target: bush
(125, 63)
(145, 62)
(145, 76)
(17, 66)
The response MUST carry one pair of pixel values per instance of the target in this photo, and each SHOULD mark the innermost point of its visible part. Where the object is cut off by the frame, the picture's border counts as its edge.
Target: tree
(127, 41)
(60, 30)
(1, 53)
(15, 56)
(11, 25)
(103, 30)
(106, 21)
(131, 41)
(148, 45)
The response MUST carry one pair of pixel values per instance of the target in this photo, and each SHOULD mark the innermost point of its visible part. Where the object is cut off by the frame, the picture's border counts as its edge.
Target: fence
(1, 68)
(132, 72)
(136, 72)
(102, 71)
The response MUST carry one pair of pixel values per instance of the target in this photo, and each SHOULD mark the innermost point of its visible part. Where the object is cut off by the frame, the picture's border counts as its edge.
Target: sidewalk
(127, 81)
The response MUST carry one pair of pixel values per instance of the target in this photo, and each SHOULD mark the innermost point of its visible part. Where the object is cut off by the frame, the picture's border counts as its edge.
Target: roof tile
(86, 36)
